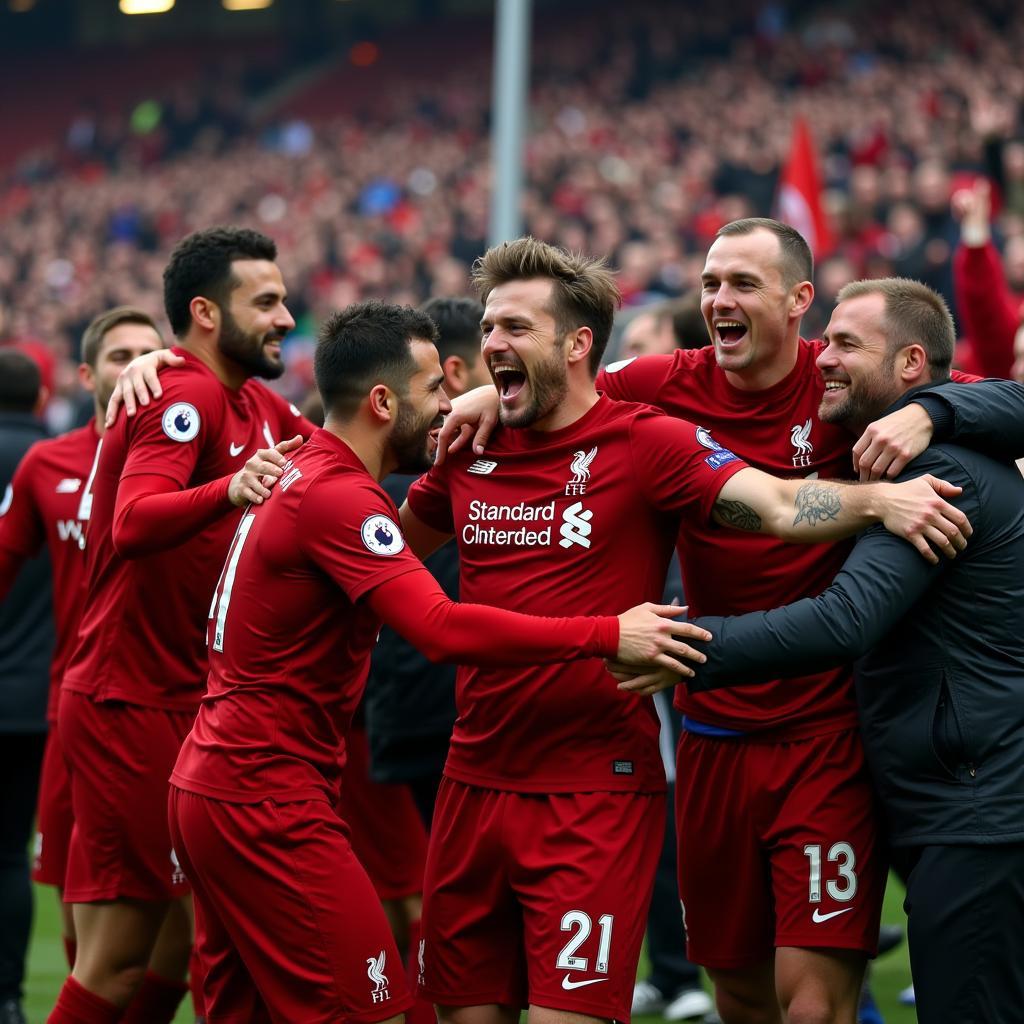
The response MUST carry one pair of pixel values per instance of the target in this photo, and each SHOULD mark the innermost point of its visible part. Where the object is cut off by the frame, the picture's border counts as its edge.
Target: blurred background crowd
(652, 124)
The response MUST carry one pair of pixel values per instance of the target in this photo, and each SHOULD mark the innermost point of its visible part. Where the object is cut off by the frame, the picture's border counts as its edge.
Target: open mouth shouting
(509, 378)
(729, 333)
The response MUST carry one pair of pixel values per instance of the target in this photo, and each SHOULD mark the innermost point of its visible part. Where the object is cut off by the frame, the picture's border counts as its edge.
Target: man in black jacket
(26, 644)
(940, 680)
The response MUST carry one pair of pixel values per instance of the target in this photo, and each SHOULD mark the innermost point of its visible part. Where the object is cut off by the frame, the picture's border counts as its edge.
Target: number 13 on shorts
(843, 888)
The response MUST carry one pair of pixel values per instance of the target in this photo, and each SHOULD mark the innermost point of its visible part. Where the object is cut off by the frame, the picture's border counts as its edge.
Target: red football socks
(156, 1002)
(76, 1005)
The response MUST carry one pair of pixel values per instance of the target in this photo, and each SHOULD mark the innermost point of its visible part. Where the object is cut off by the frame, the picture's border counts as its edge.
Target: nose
(828, 358)
(284, 319)
(445, 405)
(723, 298)
(493, 342)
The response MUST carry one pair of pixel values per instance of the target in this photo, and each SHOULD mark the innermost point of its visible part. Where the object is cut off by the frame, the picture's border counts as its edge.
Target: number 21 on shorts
(581, 922)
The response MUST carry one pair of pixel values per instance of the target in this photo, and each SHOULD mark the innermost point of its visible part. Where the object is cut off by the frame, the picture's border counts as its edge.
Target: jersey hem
(552, 786)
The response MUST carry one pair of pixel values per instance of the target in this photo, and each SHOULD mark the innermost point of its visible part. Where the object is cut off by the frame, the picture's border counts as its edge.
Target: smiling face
(421, 412)
(523, 352)
(120, 345)
(858, 368)
(747, 306)
(255, 320)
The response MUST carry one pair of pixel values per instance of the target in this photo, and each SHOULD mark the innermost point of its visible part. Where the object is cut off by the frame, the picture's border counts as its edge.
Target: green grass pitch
(47, 968)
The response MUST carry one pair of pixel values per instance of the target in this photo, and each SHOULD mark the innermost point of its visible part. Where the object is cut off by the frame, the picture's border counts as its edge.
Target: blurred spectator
(391, 197)
(666, 327)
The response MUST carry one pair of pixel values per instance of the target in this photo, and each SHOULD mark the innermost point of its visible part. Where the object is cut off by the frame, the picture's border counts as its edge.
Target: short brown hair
(584, 292)
(102, 325)
(914, 313)
(796, 263)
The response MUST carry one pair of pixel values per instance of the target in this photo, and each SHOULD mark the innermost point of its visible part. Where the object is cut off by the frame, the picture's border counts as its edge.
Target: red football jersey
(727, 572)
(293, 623)
(578, 520)
(51, 497)
(142, 630)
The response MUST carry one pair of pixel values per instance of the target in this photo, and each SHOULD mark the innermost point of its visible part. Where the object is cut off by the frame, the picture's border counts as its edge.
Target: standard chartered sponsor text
(485, 512)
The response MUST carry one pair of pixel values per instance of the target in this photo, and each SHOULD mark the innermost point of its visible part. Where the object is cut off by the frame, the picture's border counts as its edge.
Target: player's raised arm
(414, 605)
(473, 417)
(811, 511)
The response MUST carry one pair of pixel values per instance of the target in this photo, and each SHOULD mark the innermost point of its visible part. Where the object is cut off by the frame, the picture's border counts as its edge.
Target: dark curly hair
(363, 345)
(201, 265)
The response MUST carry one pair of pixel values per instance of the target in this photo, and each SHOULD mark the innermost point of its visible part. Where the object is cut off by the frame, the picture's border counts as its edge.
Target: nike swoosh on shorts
(817, 917)
(570, 985)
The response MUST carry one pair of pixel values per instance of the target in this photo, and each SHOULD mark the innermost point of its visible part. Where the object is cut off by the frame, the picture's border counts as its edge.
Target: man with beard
(51, 500)
(288, 924)
(940, 681)
(550, 816)
(166, 491)
(790, 756)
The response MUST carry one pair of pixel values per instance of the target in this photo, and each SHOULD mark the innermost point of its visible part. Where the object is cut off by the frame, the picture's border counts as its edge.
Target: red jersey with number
(289, 638)
(727, 572)
(50, 502)
(575, 521)
(142, 638)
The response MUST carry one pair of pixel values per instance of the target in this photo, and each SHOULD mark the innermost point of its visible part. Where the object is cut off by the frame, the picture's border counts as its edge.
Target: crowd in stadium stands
(649, 129)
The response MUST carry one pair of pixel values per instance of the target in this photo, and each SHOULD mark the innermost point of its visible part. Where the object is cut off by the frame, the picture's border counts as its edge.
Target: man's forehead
(527, 298)
(862, 315)
(754, 253)
(129, 334)
(257, 274)
(424, 354)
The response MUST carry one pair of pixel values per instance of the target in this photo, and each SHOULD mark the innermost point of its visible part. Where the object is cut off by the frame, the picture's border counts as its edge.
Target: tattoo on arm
(817, 502)
(738, 515)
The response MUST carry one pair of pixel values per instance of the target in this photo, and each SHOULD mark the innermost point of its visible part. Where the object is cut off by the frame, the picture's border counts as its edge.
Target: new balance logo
(817, 917)
(575, 528)
(375, 972)
(69, 485)
(570, 985)
(482, 467)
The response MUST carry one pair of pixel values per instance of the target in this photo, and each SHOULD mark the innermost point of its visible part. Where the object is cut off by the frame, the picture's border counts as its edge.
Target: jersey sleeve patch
(181, 421)
(719, 456)
(381, 536)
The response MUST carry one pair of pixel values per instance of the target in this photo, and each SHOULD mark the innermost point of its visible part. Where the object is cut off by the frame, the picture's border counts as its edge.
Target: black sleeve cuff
(942, 416)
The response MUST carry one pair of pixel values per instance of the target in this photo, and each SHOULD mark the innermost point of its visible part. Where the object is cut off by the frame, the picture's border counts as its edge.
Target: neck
(579, 400)
(204, 348)
(761, 376)
(368, 446)
(98, 416)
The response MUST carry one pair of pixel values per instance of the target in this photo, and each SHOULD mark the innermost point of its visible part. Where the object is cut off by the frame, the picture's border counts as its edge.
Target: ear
(382, 403)
(41, 399)
(580, 344)
(455, 373)
(912, 364)
(87, 377)
(800, 298)
(205, 312)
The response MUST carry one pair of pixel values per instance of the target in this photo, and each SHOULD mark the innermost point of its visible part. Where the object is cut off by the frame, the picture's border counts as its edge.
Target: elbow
(128, 541)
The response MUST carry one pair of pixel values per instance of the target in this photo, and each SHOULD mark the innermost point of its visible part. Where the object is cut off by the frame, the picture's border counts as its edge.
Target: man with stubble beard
(166, 492)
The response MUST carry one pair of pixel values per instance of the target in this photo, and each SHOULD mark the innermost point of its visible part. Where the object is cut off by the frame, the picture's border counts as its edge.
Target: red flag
(799, 200)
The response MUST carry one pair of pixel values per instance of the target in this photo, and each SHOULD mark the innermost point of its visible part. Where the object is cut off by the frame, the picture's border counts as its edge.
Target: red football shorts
(120, 757)
(388, 836)
(288, 926)
(538, 899)
(779, 845)
(53, 815)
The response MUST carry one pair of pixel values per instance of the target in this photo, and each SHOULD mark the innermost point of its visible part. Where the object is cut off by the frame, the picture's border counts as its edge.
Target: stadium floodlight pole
(508, 129)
